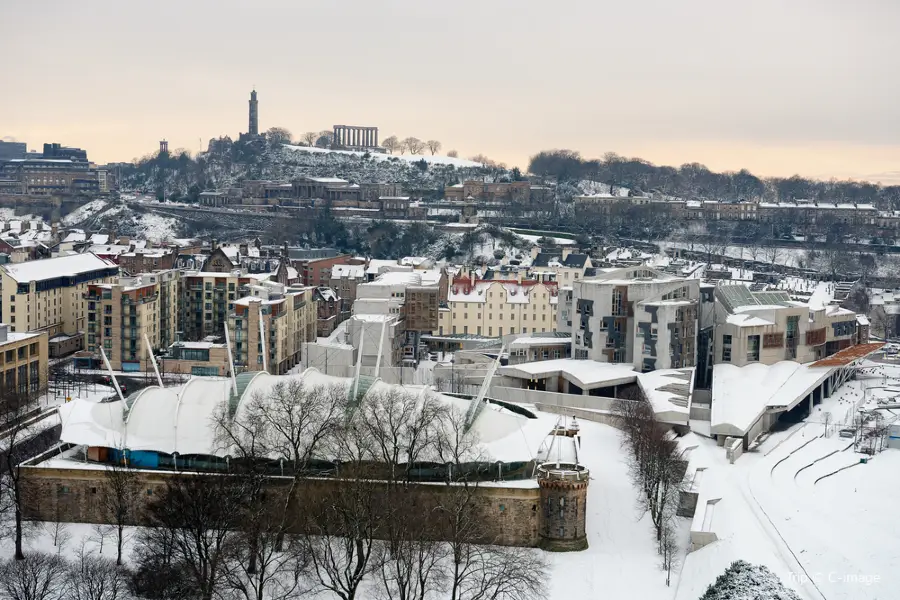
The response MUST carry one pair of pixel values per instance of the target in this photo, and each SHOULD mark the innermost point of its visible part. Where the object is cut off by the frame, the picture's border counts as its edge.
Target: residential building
(344, 281)
(287, 317)
(122, 317)
(145, 260)
(328, 311)
(23, 362)
(208, 295)
(48, 295)
(638, 316)
(499, 307)
(317, 272)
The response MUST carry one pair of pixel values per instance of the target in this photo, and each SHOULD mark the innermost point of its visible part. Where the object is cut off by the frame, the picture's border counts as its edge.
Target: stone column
(340, 139)
(376, 136)
(353, 137)
(368, 137)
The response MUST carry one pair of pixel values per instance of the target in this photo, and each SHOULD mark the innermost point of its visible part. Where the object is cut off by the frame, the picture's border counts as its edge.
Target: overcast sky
(776, 86)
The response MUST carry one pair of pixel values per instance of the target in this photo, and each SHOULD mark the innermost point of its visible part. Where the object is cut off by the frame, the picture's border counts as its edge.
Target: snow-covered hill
(410, 158)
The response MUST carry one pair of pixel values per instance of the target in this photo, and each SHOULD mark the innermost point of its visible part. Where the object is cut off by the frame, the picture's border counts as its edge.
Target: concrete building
(23, 362)
(48, 295)
(768, 327)
(196, 358)
(498, 307)
(637, 316)
(369, 332)
(345, 280)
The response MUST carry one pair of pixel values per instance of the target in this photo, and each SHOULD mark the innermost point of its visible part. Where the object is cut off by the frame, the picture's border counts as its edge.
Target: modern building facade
(637, 316)
(768, 327)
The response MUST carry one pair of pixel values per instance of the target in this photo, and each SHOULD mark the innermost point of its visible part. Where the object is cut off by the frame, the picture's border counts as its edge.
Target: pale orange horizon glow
(779, 88)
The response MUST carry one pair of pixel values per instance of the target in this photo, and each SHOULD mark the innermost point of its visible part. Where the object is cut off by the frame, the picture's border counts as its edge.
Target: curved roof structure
(183, 419)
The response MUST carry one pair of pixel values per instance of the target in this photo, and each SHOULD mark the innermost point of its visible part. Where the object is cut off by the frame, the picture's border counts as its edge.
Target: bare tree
(278, 135)
(96, 578)
(100, 533)
(391, 143)
(414, 145)
(59, 533)
(325, 139)
(433, 146)
(309, 138)
(19, 443)
(38, 577)
(774, 254)
(200, 518)
(453, 154)
(121, 494)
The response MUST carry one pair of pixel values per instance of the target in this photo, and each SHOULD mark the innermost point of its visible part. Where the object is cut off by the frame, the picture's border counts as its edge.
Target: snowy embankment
(82, 213)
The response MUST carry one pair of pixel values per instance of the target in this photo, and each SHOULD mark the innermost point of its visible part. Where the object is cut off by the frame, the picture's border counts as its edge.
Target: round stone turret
(563, 502)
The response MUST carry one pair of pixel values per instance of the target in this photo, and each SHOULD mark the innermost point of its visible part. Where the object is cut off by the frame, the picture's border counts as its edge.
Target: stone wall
(509, 515)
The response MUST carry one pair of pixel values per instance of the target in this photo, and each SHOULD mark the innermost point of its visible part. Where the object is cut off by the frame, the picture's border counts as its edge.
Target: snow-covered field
(434, 160)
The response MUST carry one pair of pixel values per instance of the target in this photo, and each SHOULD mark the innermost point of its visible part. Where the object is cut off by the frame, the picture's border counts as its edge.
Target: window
(753, 348)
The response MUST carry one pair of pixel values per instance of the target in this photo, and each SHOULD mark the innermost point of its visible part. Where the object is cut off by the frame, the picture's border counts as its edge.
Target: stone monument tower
(563, 481)
(254, 115)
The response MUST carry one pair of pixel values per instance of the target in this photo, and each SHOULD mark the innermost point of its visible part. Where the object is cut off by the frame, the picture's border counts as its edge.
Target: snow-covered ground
(826, 535)
(434, 160)
(156, 228)
(84, 212)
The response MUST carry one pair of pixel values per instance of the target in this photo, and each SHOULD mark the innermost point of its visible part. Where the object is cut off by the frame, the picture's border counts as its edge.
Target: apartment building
(119, 317)
(208, 295)
(48, 295)
(768, 327)
(565, 264)
(636, 315)
(499, 307)
(287, 317)
(344, 281)
(317, 272)
(23, 362)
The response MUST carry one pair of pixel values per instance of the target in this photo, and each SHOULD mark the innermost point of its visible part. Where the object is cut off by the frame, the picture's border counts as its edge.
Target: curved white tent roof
(183, 419)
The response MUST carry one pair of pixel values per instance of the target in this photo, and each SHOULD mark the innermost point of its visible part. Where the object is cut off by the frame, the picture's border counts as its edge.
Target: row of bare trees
(411, 144)
(657, 469)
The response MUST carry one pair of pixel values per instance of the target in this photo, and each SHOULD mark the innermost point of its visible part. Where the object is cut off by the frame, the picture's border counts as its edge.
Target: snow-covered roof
(586, 374)
(183, 419)
(745, 320)
(349, 271)
(742, 394)
(51, 268)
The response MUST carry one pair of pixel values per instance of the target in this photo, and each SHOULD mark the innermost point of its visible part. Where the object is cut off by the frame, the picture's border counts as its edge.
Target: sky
(775, 86)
